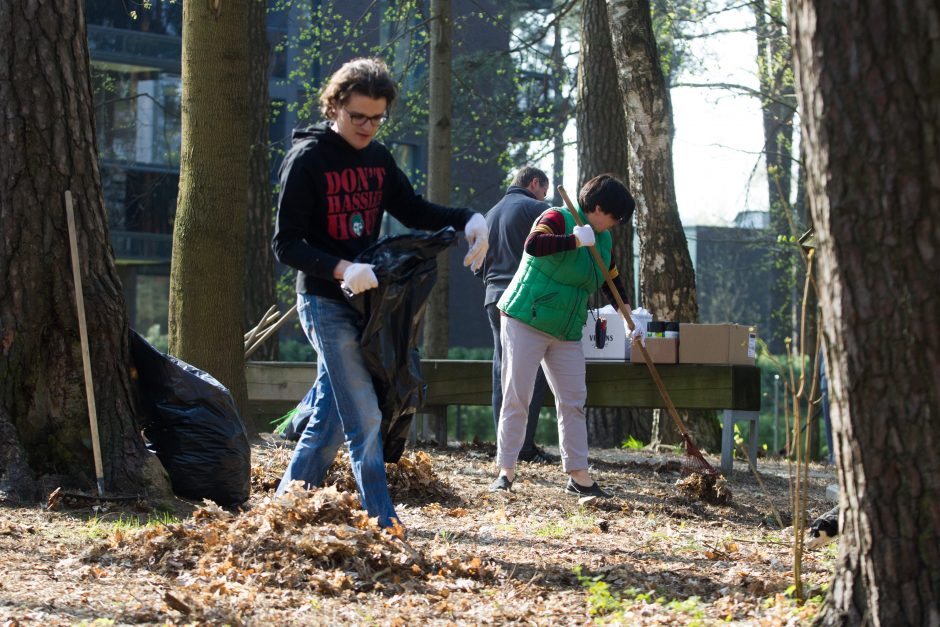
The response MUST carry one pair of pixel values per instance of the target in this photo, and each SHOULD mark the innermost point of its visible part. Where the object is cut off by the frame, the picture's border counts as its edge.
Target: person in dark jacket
(509, 222)
(336, 184)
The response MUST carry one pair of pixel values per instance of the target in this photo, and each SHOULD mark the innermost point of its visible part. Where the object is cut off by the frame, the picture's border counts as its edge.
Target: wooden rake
(695, 461)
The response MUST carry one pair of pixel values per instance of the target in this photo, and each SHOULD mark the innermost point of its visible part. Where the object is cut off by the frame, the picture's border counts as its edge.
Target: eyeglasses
(360, 119)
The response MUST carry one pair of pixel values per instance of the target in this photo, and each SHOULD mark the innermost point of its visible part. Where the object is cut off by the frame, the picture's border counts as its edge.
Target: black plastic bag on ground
(193, 426)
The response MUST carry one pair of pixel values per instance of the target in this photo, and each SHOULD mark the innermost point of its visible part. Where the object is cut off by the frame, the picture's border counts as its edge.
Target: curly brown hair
(365, 76)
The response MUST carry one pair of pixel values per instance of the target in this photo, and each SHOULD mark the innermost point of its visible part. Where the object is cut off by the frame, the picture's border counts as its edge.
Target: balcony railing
(133, 48)
(135, 247)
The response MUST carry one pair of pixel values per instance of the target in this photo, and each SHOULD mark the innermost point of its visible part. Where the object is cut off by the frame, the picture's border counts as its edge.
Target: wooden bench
(274, 388)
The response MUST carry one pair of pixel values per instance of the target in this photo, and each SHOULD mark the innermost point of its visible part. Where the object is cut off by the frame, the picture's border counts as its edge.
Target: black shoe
(577, 489)
(539, 457)
(502, 484)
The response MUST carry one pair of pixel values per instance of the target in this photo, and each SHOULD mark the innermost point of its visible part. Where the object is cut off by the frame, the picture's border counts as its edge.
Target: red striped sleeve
(548, 237)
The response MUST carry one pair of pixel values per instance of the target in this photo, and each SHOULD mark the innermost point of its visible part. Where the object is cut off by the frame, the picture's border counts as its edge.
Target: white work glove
(359, 277)
(478, 239)
(584, 235)
(638, 333)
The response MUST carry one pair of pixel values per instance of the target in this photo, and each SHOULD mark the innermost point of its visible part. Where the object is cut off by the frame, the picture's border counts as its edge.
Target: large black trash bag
(406, 267)
(193, 426)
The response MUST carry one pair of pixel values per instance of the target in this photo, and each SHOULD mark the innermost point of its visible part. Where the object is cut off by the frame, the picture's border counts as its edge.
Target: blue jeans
(538, 391)
(349, 408)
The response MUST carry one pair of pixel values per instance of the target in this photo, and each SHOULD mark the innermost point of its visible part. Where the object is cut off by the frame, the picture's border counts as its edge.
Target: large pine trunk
(602, 147)
(436, 318)
(206, 302)
(871, 116)
(49, 147)
(259, 283)
(667, 278)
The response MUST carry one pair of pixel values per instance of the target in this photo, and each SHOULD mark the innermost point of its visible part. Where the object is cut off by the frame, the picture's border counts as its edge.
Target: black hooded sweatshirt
(331, 204)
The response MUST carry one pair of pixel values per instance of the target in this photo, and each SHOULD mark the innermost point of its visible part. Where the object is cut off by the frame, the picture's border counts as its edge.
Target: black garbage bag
(406, 267)
(192, 424)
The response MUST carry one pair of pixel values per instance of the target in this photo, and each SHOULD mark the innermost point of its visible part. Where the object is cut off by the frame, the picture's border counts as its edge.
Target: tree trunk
(667, 278)
(602, 147)
(259, 283)
(437, 317)
(206, 292)
(560, 113)
(775, 73)
(49, 147)
(871, 119)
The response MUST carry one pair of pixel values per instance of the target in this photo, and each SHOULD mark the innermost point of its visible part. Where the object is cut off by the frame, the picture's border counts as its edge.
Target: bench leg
(730, 418)
(727, 442)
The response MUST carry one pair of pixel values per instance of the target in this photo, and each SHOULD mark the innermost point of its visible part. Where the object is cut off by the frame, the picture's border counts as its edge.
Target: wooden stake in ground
(83, 335)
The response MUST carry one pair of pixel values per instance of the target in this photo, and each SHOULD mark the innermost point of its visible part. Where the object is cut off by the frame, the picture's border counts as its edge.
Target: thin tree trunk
(439, 153)
(602, 147)
(667, 278)
(49, 147)
(774, 71)
(259, 280)
(871, 122)
(206, 292)
(560, 114)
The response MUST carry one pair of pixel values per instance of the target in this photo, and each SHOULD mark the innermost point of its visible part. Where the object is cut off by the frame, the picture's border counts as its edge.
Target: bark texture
(667, 278)
(602, 147)
(206, 302)
(259, 281)
(436, 339)
(871, 115)
(49, 147)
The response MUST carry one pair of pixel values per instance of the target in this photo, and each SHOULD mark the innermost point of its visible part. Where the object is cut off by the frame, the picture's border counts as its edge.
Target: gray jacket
(509, 223)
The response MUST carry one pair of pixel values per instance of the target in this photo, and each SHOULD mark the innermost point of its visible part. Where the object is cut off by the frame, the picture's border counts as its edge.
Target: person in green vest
(542, 314)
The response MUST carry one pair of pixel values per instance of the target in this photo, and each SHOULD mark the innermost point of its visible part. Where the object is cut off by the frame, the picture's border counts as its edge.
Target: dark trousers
(538, 391)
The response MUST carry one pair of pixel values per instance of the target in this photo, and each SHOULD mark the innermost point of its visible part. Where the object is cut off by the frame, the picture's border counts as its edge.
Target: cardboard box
(717, 344)
(615, 342)
(662, 350)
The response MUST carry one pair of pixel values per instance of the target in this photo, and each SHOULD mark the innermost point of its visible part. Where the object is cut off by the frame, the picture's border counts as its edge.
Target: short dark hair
(368, 77)
(613, 197)
(527, 174)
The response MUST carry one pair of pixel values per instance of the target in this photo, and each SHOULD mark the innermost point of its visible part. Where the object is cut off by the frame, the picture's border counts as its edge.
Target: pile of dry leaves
(318, 540)
(411, 480)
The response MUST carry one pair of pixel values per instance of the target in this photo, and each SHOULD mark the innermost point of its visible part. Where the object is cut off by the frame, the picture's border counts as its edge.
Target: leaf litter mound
(411, 480)
(708, 488)
(316, 541)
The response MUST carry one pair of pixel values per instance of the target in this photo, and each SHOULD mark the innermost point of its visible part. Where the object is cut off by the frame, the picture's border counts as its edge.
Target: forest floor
(649, 556)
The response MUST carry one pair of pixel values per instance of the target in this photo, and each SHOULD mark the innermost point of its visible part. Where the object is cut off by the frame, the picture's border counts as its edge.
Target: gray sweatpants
(524, 347)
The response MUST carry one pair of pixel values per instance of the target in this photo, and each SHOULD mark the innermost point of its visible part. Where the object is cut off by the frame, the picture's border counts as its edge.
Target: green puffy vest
(550, 293)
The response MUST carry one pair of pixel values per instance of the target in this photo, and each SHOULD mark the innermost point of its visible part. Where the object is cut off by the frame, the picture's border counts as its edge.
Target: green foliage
(601, 600)
(101, 526)
(632, 443)
(551, 529)
(296, 350)
(160, 341)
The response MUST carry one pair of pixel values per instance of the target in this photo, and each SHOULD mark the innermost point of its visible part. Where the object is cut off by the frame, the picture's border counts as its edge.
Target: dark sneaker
(539, 457)
(502, 484)
(579, 490)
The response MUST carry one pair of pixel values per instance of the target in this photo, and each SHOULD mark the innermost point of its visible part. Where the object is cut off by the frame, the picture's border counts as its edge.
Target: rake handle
(625, 312)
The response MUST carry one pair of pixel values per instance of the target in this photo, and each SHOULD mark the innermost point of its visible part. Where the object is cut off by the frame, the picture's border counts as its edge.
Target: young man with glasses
(336, 184)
